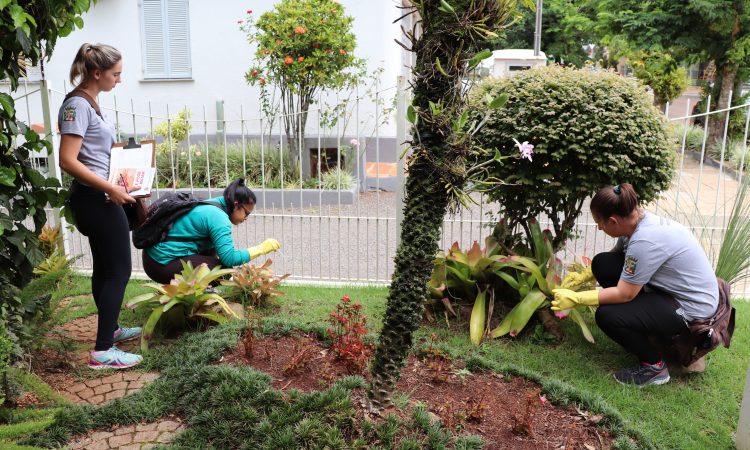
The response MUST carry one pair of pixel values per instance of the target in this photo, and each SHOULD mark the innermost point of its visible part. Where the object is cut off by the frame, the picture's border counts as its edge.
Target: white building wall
(220, 56)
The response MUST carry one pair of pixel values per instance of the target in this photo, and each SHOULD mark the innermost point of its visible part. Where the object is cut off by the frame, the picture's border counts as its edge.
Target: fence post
(743, 427)
(402, 96)
(220, 124)
(53, 157)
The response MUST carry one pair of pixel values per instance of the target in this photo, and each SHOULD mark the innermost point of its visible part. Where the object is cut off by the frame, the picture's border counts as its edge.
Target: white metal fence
(349, 233)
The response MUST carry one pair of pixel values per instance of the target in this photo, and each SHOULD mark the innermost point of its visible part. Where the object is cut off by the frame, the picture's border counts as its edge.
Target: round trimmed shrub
(589, 129)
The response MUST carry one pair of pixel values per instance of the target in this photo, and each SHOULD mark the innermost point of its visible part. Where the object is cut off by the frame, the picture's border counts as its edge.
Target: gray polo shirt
(77, 117)
(666, 255)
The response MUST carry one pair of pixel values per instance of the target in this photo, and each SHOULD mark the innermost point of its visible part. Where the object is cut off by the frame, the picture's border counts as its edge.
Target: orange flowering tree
(302, 48)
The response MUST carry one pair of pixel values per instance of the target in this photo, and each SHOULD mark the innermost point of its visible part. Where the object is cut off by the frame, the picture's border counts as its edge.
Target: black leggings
(106, 226)
(631, 324)
(163, 273)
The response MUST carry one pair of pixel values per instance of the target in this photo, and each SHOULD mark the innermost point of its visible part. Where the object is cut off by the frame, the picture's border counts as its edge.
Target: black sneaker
(644, 374)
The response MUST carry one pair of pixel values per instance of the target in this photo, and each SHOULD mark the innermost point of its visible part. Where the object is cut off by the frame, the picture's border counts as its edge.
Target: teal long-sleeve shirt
(212, 230)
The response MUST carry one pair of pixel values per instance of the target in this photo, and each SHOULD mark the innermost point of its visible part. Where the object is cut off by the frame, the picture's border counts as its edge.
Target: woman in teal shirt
(204, 235)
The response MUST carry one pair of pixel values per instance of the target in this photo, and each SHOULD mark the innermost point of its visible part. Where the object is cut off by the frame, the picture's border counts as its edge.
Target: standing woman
(654, 282)
(97, 205)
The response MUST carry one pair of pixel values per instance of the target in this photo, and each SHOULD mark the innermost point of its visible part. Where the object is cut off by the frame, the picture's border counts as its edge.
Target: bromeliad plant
(254, 285)
(186, 294)
(479, 274)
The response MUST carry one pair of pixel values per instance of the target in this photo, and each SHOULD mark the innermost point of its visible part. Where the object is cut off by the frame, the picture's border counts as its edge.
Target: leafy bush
(662, 73)
(26, 315)
(693, 136)
(260, 169)
(174, 131)
(589, 129)
(336, 178)
(254, 285)
(185, 299)
(348, 334)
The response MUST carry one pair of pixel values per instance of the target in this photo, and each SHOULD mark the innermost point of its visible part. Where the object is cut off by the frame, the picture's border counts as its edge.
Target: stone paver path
(129, 437)
(100, 390)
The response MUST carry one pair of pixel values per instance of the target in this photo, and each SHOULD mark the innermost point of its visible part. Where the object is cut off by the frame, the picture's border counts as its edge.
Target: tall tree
(448, 37)
(567, 26)
(692, 30)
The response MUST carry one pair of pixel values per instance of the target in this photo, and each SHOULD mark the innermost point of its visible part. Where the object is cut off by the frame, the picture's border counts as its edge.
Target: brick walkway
(100, 390)
(108, 385)
(130, 437)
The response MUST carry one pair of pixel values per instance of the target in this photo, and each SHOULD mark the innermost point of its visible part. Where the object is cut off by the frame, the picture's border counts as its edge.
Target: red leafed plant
(347, 333)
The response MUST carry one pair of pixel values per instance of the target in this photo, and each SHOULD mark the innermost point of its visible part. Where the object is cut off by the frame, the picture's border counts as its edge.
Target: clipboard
(133, 164)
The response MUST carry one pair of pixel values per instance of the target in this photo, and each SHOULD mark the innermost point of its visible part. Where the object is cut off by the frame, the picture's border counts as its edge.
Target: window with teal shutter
(165, 37)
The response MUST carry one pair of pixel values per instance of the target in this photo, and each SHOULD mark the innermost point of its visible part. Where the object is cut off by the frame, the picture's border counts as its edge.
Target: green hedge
(589, 129)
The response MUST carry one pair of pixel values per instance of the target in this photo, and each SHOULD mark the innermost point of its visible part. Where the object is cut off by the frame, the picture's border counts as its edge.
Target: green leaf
(519, 316)
(499, 101)
(478, 318)
(479, 57)
(148, 327)
(78, 21)
(461, 122)
(446, 7)
(4, 3)
(7, 103)
(411, 115)
(440, 67)
(7, 176)
(578, 318)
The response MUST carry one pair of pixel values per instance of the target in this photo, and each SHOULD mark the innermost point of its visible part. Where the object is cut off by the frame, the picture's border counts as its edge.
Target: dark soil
(508, 413)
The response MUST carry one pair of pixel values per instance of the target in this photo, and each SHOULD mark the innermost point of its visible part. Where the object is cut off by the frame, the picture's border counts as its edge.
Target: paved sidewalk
(140, 436)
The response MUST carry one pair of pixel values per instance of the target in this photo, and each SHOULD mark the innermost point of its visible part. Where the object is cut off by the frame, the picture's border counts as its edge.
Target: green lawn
(694, 412)
(698, 411)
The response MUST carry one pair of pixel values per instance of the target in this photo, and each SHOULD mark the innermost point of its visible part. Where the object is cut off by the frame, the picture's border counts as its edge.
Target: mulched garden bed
(507, 412)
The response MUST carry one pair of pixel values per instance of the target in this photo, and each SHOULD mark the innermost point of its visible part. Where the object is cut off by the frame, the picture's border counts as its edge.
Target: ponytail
(620, 200)
(238, 192)
(92, 57)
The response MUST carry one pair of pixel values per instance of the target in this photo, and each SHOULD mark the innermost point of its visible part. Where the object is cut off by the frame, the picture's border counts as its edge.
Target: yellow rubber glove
(267, 246)
(567, 299)
(575, 279)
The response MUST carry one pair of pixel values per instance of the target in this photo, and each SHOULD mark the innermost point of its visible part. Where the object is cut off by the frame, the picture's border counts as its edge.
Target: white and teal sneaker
(114, 358)
(125, 334)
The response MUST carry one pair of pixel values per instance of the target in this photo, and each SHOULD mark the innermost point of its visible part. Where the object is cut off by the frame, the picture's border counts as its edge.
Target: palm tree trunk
(425, 205)
(437, 167)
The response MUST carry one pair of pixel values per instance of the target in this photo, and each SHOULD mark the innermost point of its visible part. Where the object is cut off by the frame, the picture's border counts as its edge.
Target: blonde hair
(91, 57)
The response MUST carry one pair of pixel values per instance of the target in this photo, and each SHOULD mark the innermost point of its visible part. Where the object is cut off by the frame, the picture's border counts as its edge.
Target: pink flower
(543, 399)
(526, 149)
(354, 143)
(249, 11)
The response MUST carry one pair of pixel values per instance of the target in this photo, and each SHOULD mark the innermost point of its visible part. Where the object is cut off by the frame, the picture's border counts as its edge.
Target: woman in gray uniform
(97, 206)
(654, 282)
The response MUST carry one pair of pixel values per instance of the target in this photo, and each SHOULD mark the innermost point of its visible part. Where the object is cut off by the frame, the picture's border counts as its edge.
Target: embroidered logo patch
(69, 114)
(630, 265)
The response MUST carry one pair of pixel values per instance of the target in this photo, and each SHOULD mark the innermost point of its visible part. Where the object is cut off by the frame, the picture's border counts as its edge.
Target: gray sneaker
(643, 375)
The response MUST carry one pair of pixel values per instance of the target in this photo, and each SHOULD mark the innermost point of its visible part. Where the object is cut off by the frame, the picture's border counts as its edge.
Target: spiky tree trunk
(451, 34)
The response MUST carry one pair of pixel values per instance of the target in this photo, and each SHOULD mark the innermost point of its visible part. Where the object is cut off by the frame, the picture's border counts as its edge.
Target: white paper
(132, 168)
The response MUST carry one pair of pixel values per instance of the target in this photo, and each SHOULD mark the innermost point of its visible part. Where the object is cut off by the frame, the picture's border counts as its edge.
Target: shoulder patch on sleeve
(631, 264)
(69, 114)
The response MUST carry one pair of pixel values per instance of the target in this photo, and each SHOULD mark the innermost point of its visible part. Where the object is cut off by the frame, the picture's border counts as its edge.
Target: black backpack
(162, 215)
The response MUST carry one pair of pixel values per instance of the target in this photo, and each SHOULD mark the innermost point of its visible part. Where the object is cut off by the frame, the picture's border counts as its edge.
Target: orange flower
(254, 73)
(316, 45)
(299, 30)
(342, 51)
(301, 58)
(328, 50)
(288, 60)
(262, 81)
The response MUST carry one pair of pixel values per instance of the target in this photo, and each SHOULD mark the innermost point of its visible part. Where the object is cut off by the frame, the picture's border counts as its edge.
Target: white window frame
(171, 65)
